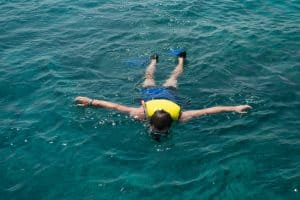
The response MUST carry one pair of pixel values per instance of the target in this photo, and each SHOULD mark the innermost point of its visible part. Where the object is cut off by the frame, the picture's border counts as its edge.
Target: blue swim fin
(175, 52)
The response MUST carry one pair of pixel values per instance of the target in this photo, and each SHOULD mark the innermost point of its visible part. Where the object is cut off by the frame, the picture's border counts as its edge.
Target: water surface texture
(239, 52)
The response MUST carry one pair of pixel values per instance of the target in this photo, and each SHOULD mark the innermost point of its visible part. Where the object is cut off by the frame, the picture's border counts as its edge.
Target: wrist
(91, 101)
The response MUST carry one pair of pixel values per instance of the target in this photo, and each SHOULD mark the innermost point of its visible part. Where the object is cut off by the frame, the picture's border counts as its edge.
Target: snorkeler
(159, 105)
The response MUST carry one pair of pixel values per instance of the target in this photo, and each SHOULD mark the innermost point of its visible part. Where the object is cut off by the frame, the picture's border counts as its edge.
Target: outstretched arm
(187, 115)
(132, 111)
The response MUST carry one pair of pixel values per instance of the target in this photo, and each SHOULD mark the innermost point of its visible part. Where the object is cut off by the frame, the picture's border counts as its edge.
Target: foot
(154, 57)
(182, 55)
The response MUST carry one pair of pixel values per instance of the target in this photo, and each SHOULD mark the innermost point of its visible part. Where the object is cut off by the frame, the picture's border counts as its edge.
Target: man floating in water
(159, 105)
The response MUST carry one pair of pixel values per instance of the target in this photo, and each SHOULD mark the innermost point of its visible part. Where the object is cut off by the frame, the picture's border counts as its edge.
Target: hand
(242, 108)
(83, 101)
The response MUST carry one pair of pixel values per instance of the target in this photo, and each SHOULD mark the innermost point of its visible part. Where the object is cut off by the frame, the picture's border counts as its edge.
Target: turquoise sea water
(238, 52)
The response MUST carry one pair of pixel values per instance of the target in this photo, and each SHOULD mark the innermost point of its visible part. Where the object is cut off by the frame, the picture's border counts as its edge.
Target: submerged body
(159, 105)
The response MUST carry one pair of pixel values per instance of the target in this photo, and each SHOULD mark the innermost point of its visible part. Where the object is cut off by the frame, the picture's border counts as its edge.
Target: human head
(161, 121)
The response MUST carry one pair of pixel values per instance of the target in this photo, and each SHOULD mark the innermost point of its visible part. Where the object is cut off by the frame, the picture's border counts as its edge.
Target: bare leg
(172, 80)
(149, 75)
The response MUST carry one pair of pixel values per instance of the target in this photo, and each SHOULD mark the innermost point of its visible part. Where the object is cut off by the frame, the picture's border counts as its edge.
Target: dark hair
(161, 120)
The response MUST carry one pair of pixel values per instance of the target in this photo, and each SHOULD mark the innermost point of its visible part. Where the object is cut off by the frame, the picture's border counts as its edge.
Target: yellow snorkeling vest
(162, 104)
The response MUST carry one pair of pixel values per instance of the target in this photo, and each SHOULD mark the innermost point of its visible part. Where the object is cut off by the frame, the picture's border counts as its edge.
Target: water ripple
(238, 53)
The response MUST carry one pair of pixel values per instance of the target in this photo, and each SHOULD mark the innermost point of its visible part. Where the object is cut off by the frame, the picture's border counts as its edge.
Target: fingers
(79, 98)
(81, 101)
(248, 107)
(242, 109)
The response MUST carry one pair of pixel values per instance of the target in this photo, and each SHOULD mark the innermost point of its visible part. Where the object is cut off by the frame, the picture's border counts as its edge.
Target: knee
(148, 76)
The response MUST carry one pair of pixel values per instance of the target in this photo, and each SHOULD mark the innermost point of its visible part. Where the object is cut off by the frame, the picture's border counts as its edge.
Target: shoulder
(184, 116)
